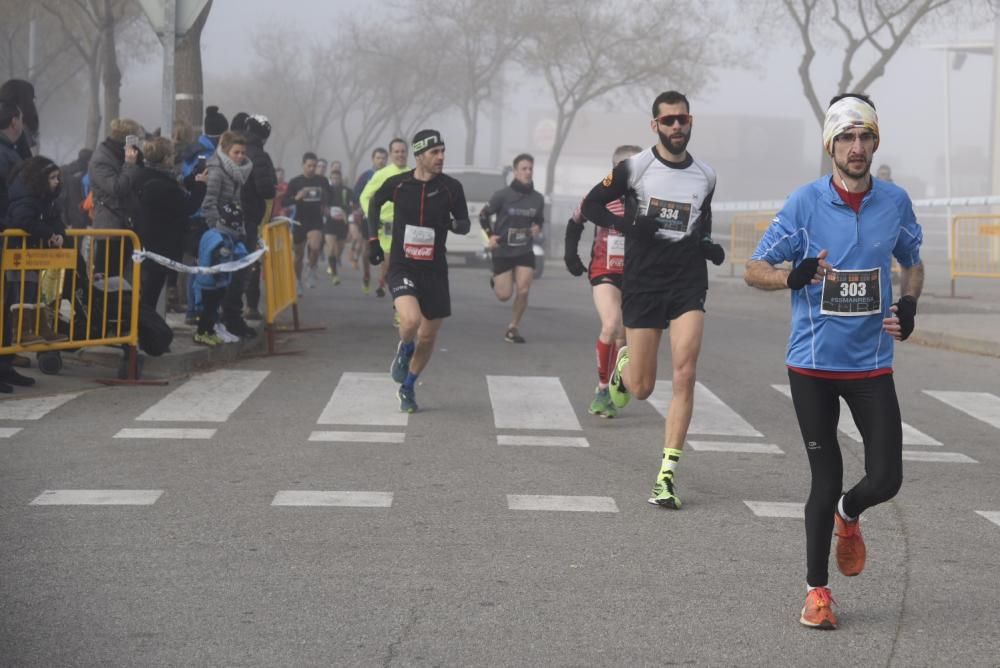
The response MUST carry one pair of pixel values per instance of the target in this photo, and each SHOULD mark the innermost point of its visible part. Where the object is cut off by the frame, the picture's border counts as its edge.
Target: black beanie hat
(215, 123)
(239, 122)
(425, 140)
(258, 126)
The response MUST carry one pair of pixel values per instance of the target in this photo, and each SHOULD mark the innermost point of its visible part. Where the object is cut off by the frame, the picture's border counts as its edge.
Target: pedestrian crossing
(525, 409)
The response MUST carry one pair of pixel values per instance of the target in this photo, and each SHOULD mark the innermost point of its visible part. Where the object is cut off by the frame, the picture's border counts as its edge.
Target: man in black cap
(428, 204)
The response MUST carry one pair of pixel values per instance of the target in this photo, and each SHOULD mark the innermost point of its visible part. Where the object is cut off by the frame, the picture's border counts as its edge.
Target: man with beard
(519, 210)
(841, 233)
(428, 205)
(667, 227)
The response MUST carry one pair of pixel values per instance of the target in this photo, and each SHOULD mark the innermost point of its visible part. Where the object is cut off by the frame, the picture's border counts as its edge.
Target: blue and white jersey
(837, 325)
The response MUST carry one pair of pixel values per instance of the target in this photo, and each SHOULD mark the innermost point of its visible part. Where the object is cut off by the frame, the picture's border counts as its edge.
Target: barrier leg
(132, 372)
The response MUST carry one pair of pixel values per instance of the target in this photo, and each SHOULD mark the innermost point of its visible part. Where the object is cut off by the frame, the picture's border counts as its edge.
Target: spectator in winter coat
(22, 94)
(72, 195)
(165, 209)
(113, 172)
(33, 208)
(228, 170)
(11, 129)
(257, 199)
(219, 244)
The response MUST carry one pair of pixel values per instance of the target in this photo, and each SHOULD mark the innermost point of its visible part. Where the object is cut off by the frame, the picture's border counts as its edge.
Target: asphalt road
(212, 573)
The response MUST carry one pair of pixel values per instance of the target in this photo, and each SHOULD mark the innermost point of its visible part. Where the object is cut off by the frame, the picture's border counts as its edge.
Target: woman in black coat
(165, 206)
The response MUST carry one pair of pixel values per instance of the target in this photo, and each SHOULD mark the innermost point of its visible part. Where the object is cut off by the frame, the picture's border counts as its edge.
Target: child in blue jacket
(218, 244)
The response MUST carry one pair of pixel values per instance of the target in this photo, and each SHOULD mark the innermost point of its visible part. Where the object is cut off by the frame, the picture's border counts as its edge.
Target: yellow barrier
(975, 247)
(745, 232)
(81, 295)
(280, 286)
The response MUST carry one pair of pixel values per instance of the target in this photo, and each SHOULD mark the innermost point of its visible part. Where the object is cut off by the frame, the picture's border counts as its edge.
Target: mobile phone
(132, 140)
(200, 165)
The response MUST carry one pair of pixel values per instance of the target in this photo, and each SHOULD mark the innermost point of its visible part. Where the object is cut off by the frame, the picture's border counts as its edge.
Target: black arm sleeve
(706, 215)
(381, 196)
(459, 210)
(574, 231)
(614, 186)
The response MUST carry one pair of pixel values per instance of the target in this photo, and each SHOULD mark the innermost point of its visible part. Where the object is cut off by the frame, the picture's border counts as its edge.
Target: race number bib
(312, 194)
(418, 243)
(852, 292)
(518, 236)
(616, 252)
(671, 216)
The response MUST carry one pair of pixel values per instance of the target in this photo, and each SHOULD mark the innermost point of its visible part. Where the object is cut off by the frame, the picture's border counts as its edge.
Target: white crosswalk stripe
(210, 397)
(580, 504)
(936, 456)
(711, 416)
(911, 435)
(8, 432)
(34, 408)
(531, 402)
(364, 399)
(329, 498)
(736, 447)
(357, 436)
(168, 434)
(991, 515)
(556, 441)
(97, 497)
(980, 405)
(777, 509)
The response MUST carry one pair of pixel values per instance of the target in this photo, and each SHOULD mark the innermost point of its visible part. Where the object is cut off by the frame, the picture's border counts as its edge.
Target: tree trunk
(188, 75)
(471, 118)
(564, 122)
(110, 71)
(94, 108)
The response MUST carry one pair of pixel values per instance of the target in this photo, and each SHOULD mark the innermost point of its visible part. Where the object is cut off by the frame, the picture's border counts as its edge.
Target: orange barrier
(975, 247)
(82, 295)
(280, 285)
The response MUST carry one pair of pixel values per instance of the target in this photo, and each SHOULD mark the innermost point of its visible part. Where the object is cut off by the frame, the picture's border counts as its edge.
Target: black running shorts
(299, 232)
(655, 310)
(337, 228)
(608, 279)
(501, 265)
(428, 286)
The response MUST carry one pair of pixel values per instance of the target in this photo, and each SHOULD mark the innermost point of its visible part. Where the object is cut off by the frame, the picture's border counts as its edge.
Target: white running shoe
(225, 334)
(311, 281)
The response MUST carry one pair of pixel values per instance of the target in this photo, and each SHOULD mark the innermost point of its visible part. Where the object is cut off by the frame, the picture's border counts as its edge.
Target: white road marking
(34, 408)
(991, 515)
(728, 446)
(711, 416)
(194, 434)
(558, 441)
(97, 497)
(911, 435)
(344, 499)
(357, 436)
(7, 432)
(980, 405)
(531, 402)
(364, 399)
(583, 504)
(946, 457)
(777, 509)
(210, 397)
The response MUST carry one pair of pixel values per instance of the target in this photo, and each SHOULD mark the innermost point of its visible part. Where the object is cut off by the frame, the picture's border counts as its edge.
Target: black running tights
(875, 410)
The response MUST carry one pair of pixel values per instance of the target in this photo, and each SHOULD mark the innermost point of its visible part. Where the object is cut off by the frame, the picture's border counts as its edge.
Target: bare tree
(188, 74)
(605, 48)
(871, 32)
(55, 64)
(476, 38)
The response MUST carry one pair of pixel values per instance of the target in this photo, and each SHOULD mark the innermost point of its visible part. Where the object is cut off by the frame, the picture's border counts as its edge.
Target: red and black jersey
(607, 251)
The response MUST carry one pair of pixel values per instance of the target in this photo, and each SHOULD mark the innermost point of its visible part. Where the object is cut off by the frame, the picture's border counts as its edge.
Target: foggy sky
(909, 96)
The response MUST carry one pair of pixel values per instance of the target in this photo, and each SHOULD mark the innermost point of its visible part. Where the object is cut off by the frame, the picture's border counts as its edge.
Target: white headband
(847, 113)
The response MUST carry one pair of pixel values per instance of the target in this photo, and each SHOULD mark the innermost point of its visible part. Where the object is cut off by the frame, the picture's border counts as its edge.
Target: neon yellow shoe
(620, 395)
(664, 495)
(602, 404)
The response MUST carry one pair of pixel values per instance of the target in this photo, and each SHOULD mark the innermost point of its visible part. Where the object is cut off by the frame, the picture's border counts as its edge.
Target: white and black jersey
(679, 196)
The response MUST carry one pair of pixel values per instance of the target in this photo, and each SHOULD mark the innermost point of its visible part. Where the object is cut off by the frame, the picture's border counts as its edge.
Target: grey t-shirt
(517, 208)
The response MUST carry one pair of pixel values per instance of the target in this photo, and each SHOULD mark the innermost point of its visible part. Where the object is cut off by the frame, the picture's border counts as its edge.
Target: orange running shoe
(850, 545)
(817, 613)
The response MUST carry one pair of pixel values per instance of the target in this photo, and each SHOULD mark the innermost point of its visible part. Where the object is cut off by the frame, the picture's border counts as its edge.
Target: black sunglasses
(670, 119)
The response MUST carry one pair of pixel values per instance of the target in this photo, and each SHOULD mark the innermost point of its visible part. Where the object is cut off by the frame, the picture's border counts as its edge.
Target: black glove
(641, 227)
(906, 311)
(375, 253)
(712, 251)
(803, 274)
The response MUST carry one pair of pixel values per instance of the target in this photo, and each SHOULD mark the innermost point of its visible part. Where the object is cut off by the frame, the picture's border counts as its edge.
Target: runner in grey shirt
(519, 215)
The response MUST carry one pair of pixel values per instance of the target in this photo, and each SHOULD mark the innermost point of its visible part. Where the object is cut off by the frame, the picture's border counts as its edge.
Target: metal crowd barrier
(975, 244)
(280, 286)
(82, 295)
(745, 232)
